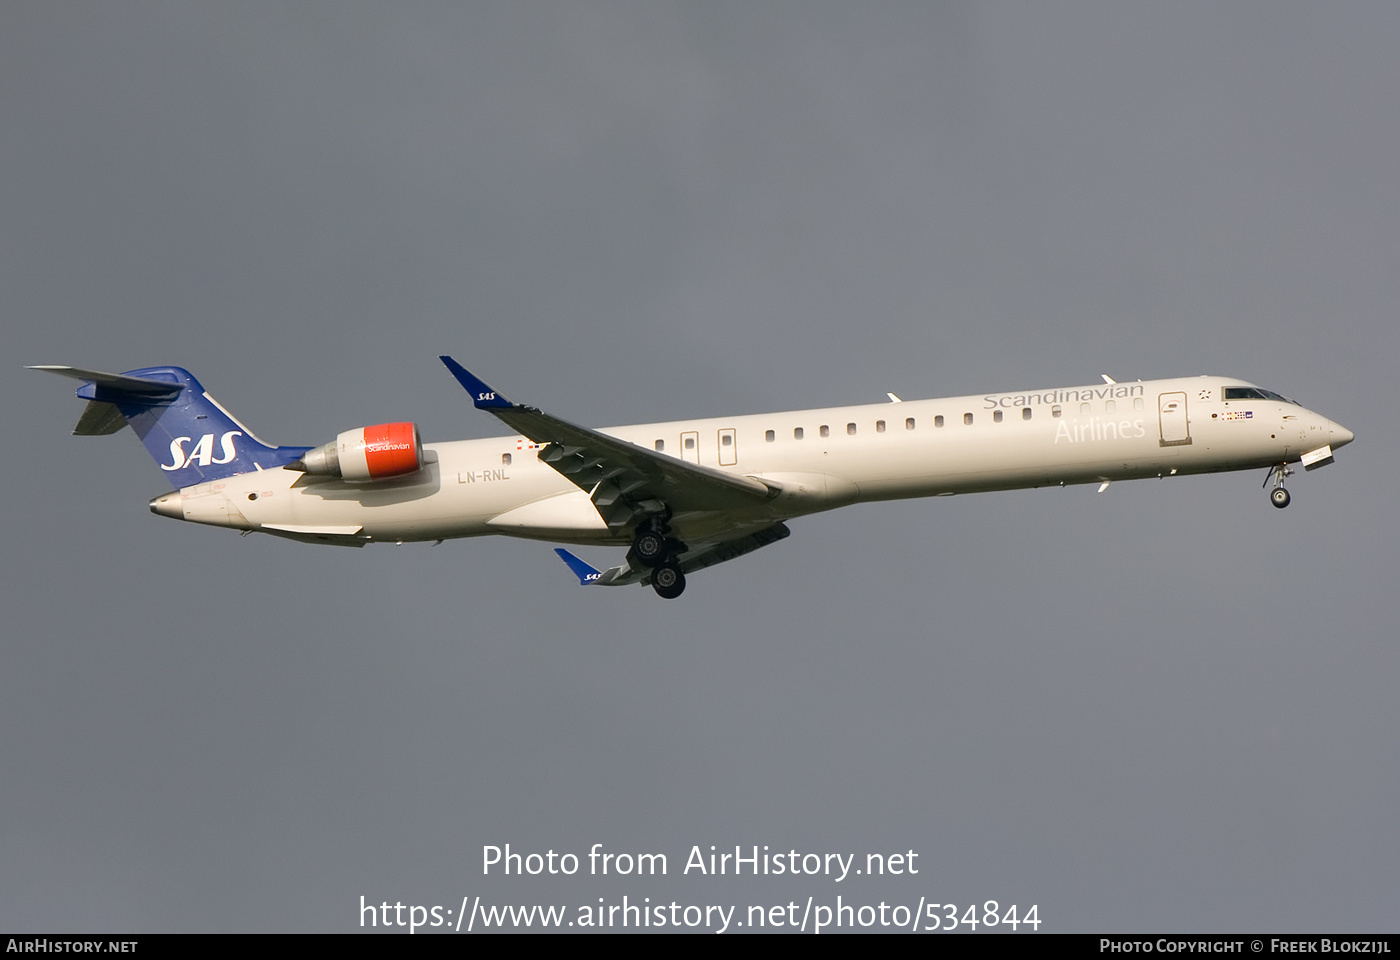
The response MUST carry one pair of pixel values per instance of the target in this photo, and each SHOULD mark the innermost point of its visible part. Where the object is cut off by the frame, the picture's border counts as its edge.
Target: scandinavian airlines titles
(1111, 392)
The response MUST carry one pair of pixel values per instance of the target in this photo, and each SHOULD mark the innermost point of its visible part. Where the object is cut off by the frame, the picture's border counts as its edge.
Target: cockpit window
(1255, 393)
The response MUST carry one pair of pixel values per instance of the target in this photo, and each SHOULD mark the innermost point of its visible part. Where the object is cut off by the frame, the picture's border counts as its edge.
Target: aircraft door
(1171, 415)
(728, 448)
(690, 446)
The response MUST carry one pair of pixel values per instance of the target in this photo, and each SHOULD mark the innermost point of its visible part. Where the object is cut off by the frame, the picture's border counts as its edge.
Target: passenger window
(996, 416)
(1137, 403)
(1110, 407)
(879, 426)
(1056, 412)
(769, 436)
(797, 433)
(505, 459)
(1025, 413)
(938, 420)
(850, 429)
(660, 446)
(909, 424)
(825, 430)
(967, 419)
(1084, 408)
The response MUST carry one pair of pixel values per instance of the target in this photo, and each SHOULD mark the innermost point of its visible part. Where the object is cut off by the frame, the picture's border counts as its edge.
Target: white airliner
(686, 495)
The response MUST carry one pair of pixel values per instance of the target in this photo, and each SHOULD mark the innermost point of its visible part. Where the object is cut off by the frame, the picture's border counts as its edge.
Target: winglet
(482, 395)
(587, 576)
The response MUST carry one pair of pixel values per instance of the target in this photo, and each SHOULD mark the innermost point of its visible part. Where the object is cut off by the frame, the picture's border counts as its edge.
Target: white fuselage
(814, 459)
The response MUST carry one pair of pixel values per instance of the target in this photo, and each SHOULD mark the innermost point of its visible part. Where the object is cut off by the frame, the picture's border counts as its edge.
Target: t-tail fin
(191, 437)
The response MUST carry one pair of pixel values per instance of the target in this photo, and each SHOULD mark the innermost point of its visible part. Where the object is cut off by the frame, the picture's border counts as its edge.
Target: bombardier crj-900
(686, 495)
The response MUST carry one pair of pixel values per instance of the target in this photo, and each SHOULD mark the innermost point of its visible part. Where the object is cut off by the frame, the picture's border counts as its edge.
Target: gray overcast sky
(1169, 707)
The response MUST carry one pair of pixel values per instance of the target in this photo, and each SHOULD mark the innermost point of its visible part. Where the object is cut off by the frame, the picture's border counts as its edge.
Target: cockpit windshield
(1256, 393)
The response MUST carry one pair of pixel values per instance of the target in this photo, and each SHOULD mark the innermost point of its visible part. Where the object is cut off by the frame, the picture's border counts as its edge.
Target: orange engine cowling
(381, 452)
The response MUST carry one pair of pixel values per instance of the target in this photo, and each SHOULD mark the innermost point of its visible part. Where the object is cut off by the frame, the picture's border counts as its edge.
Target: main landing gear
(1279, 496)
(668, 581)
(651, 547)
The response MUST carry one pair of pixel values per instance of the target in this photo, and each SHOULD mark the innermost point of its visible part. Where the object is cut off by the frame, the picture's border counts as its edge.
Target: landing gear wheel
(650, 547)
(668, 581)
(1279, 497)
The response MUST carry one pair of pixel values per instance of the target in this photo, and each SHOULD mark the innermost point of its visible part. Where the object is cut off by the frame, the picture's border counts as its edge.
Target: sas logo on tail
(203, 452)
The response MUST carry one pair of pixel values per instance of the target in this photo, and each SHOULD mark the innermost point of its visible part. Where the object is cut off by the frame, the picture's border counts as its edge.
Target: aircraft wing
(624, 480)
(705, 553)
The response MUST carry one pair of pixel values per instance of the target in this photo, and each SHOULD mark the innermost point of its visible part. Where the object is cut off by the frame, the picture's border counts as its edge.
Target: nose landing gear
(1279, 496)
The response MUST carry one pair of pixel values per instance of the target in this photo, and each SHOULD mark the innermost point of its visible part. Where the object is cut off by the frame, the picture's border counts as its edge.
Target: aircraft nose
(1341, 436)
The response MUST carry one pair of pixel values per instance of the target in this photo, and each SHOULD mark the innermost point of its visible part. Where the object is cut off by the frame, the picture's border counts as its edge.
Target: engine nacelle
(381, 452)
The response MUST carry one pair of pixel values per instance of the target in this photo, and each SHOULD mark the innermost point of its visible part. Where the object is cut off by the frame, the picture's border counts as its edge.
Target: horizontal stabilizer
(120, 382)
